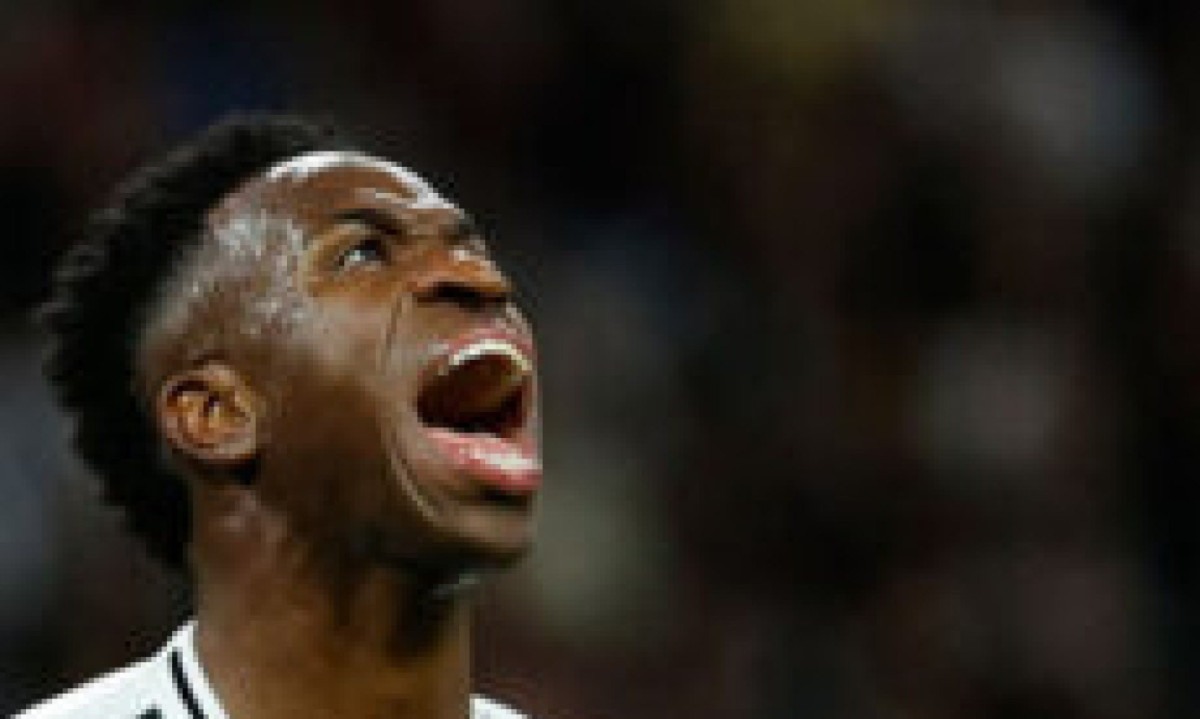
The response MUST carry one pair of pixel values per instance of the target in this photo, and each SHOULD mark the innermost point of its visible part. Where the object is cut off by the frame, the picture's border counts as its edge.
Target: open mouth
(476, 406)
(483, 388)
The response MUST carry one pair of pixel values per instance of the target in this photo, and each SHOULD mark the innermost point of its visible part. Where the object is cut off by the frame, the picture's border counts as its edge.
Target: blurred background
(869, 330)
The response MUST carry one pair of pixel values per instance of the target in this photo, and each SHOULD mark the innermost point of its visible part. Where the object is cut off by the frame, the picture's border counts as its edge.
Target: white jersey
(170, 685)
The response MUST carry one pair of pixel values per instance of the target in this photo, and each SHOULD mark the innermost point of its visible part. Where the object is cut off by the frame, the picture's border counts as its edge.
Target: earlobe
(209, 413)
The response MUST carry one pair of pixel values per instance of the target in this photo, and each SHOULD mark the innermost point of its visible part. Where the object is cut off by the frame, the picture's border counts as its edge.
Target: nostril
(461, 294)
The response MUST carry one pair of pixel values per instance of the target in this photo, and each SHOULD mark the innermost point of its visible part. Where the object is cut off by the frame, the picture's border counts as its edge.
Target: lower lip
(500, 464)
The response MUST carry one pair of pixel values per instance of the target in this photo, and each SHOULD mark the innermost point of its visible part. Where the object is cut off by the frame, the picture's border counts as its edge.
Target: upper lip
(498, 332)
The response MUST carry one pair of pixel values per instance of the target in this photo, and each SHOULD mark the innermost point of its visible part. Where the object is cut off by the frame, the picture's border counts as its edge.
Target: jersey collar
(187, 676)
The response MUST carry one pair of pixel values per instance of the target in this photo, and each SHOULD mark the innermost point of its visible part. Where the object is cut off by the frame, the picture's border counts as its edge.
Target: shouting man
(298, 372)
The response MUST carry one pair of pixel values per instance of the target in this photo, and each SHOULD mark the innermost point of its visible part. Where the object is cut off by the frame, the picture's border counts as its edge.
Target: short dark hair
(105, 291)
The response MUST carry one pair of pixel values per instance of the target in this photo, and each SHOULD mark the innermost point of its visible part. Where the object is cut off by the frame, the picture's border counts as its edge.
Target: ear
(211, 414)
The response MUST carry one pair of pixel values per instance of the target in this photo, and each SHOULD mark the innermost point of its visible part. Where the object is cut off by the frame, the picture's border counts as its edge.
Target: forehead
(321, 166)
(307, 186)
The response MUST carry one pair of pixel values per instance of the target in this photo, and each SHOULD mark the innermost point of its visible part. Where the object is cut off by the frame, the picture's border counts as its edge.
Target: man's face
(401, 395)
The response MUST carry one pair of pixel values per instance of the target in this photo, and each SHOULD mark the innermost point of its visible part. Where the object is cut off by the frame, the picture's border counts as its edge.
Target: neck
(285, 632)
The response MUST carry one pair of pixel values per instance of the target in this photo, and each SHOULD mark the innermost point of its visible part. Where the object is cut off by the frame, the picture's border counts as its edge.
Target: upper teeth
(482, 348)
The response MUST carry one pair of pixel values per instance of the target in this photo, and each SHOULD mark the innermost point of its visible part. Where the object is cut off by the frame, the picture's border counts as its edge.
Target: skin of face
(330, 287)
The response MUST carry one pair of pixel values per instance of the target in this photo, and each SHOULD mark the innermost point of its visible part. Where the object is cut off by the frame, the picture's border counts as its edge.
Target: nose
(455, 275)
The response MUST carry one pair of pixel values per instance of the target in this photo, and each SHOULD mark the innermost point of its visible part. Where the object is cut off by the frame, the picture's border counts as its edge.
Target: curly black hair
(106, 290)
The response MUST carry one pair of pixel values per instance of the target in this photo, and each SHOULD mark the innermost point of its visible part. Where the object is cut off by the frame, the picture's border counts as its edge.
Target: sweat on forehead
(304, 166)
(308, 184)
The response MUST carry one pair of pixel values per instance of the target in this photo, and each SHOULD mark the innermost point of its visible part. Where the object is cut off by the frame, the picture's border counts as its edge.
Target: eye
(369, 252)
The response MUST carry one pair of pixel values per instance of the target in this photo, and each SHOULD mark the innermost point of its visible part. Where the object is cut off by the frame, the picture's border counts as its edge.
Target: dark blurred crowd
(868, 328)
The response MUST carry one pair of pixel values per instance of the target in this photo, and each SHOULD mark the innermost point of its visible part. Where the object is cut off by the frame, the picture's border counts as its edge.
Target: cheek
(324, 454)
(322, 434)
(375, 344)
(351, 333)
(340, 381)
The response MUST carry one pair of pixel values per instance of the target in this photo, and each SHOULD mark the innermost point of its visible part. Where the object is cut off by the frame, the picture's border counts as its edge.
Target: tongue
(472, 390)
(497, 463)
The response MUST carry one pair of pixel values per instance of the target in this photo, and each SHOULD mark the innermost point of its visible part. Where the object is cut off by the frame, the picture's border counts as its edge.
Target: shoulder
(484, 708)
(121, 694)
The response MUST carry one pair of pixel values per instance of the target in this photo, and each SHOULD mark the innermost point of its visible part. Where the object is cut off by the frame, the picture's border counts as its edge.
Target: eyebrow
(373, 218)
(465, 226)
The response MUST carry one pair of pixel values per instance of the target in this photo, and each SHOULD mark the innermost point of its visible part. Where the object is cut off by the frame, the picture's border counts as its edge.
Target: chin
(477, 540)
(492, 541)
